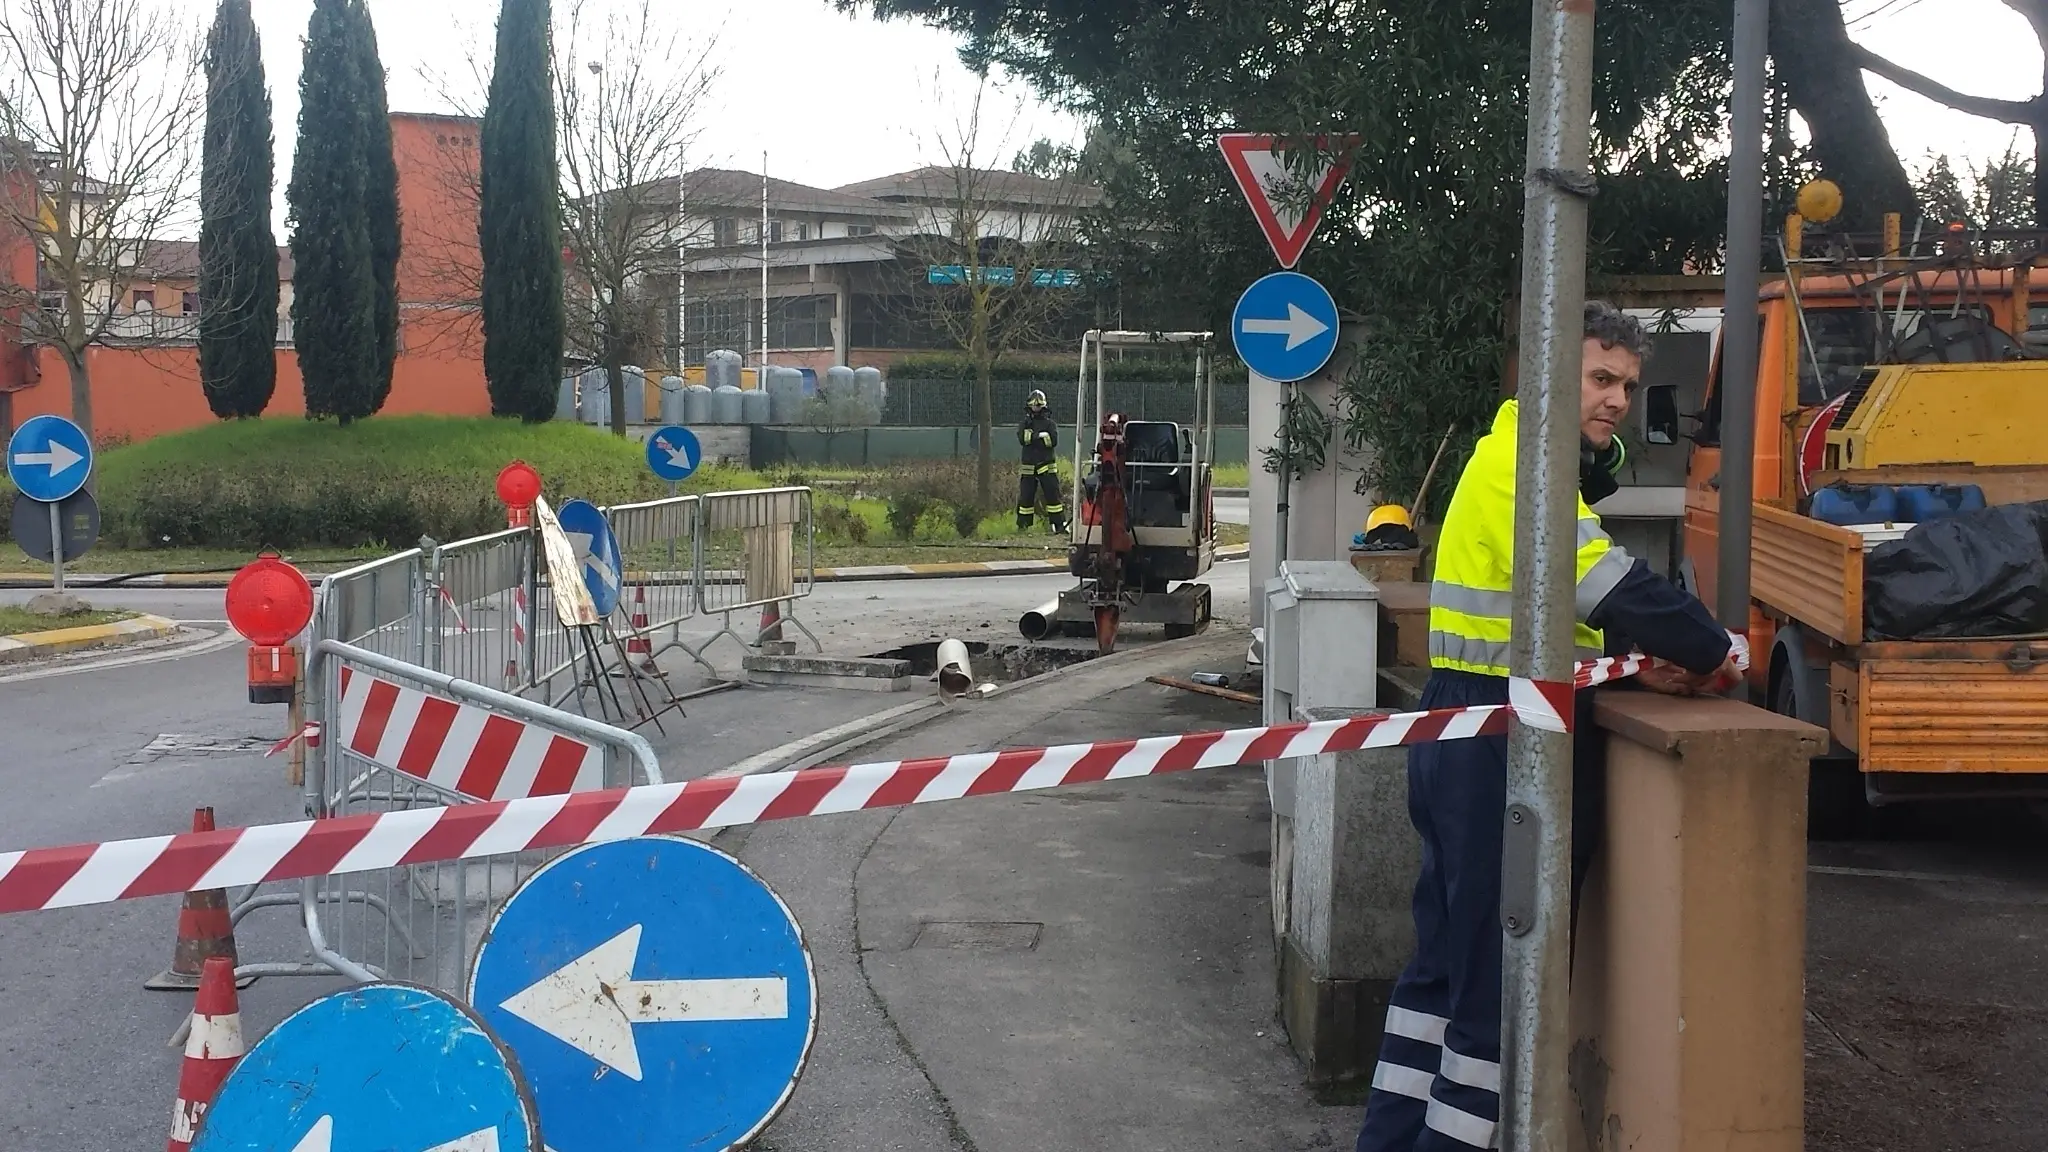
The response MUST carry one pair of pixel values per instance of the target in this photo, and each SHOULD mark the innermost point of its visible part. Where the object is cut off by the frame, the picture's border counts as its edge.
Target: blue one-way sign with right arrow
(1285, 326)
(48, 458)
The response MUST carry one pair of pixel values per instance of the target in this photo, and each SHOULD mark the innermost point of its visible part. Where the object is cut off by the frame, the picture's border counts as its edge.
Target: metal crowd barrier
(749, 555)
(422, 922)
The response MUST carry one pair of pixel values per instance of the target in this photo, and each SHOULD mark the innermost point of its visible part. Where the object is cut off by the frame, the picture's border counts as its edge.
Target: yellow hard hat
(1388, 514)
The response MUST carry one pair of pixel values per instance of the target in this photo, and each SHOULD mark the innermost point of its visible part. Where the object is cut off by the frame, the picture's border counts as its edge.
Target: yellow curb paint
(90, 635)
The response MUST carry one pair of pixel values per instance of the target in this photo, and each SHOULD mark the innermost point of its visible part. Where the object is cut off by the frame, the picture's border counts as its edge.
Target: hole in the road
(998, 662)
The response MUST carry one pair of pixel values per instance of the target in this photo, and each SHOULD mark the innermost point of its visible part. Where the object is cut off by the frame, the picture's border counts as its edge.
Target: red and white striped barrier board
(163, 865)
(460, 747)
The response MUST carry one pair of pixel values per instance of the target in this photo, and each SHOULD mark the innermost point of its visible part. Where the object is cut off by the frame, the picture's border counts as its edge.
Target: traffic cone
(204, 930)
(771, 621)
(212, 1048)
(638, 643)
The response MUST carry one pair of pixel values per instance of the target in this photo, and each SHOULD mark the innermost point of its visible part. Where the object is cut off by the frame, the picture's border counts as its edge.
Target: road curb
(951, 570)
(56, 641)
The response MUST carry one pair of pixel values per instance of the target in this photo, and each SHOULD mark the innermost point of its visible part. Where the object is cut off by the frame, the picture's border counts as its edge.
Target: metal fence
(422, 922)
(473, 622)
(944, 403)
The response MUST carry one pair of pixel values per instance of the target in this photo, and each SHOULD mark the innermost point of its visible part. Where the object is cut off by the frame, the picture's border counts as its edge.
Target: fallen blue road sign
(597, 552)
(657, 993)
(376, 1068)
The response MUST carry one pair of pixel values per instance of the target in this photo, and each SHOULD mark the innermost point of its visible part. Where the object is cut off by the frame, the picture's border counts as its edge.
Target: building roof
(179, 258)
(727, 188)
(936, 184)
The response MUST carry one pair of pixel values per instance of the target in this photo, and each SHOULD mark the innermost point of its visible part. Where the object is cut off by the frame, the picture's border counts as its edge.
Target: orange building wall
(143, 392)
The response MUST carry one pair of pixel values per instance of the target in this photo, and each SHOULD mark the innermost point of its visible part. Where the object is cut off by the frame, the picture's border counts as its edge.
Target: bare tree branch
(99, 121)
(2009, 111)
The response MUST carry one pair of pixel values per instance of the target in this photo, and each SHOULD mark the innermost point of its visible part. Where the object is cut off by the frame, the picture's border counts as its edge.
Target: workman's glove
(1598, 468)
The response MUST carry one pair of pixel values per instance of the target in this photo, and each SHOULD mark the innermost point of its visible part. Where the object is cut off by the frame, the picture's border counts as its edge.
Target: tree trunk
(984, 419)
(615, 386)
(81, 390)
(1825, 84)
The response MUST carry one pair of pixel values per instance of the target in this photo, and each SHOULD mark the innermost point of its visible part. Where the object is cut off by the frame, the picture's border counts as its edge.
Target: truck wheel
(1836, 807)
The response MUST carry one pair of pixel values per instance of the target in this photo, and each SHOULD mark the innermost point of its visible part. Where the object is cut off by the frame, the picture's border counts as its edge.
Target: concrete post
(1349, 930)
(1687, 1021)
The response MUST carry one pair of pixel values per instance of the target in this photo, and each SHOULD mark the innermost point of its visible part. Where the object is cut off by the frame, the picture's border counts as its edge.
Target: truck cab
(1884, 375)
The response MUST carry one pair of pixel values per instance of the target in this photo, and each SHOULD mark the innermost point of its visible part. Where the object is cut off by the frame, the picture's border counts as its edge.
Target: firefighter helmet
(1035, 401)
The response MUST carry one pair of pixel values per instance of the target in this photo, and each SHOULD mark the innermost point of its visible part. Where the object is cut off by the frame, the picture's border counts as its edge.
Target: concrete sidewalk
(1083, 969)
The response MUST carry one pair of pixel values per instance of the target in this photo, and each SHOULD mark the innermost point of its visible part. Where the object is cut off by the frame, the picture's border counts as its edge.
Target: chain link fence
(920, 403)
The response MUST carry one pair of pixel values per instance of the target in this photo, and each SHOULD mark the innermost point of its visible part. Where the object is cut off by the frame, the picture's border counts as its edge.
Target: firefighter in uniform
(1038, 481)
(1437, 1084)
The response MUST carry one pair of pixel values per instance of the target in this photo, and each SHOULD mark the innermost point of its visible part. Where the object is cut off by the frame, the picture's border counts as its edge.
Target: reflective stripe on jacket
(1039, 437)
(1471, 609)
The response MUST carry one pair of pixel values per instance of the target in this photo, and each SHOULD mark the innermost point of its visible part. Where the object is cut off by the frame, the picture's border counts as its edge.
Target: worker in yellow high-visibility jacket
(1038, 478)
(1437, 1085)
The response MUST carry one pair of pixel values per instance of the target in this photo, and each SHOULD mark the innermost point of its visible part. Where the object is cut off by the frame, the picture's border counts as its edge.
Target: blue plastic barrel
(1856, 504)
(1920, 503)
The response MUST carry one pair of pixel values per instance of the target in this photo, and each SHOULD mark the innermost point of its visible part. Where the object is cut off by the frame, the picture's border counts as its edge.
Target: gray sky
(835, 99)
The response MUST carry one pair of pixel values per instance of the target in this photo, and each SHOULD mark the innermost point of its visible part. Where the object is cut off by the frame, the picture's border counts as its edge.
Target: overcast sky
(835, 99)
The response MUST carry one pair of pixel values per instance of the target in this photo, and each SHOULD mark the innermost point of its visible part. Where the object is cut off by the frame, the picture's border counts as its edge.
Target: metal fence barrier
(749, 556)
(422, 922)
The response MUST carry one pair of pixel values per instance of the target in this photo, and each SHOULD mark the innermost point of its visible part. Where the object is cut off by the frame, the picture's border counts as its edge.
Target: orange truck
(1898, 370)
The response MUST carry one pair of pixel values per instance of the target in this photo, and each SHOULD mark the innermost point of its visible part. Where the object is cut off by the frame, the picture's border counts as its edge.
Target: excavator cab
(1146, 519)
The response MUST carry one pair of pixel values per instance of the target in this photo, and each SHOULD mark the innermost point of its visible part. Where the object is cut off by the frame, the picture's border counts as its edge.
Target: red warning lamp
(269, 602)
(518, 488)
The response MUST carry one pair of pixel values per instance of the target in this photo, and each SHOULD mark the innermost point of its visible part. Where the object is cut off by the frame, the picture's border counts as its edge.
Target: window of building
(188, 302)
(144, 300)
(801, 322)
(800, 231)
(725, 232)
(860, 229)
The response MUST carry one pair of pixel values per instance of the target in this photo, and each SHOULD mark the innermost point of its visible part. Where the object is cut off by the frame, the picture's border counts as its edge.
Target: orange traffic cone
(204, 930)
(638, 643)
(771, 622)
(211, 1050)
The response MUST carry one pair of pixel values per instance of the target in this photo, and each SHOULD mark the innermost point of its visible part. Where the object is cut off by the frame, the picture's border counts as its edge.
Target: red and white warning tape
(163, 865)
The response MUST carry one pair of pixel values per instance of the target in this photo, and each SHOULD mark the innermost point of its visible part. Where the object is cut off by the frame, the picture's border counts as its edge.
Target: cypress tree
(334, 290)
(519, 227)
(380, 193)
(237, 251)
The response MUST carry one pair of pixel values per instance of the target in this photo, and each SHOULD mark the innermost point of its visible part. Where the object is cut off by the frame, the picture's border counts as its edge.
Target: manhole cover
(979, 935)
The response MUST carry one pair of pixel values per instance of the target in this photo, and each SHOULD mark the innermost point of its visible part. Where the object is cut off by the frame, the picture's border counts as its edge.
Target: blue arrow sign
(377, 1068)
(657, 993)
(673, 453)
(597, 552)
(48, 458)
(1285, 326)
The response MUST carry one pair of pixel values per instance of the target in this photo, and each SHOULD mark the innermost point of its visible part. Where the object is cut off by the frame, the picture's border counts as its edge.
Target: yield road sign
(48, 458)
(597, 553)
(673, 453)
(377, 1068)
(1288, 205)
(656, 992)
(78, 520)
(1285, 326)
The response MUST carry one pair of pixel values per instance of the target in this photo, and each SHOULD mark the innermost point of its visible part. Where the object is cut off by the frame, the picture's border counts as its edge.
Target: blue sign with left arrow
(1285, 326)
(48, 458)
(376, 1068)
(657, 992)
(673, 453)
(597, 553)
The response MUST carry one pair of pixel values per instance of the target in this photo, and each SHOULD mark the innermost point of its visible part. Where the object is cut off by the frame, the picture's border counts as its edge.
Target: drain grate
(979, 935)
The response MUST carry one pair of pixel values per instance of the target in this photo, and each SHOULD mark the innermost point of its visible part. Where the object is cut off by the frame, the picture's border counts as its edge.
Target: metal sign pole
(1739, 315)
(56, 547)
(1535, 1097)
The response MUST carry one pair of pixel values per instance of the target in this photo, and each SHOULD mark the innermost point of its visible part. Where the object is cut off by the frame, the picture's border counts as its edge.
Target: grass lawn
(131, 561)
(15, 621)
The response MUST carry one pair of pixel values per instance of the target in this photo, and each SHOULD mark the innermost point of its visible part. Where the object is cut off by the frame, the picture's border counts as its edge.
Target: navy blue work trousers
(1437, 1085)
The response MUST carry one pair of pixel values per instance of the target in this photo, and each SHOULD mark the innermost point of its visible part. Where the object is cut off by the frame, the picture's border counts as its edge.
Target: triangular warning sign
(1288, 205)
